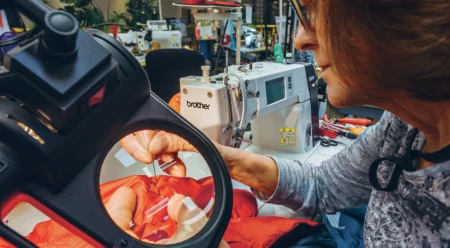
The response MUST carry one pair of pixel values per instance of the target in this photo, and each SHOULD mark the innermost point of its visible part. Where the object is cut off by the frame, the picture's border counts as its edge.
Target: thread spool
(205, 77)
(248, 137)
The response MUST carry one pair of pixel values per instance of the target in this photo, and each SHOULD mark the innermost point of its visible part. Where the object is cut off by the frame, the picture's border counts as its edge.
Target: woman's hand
(257, 171)
(181, 209)
(147, 146)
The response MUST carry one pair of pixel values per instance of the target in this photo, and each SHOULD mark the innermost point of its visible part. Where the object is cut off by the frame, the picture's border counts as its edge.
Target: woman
(387, 53)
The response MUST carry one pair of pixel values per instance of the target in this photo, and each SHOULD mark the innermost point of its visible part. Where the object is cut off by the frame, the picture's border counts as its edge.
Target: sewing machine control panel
(274, 85)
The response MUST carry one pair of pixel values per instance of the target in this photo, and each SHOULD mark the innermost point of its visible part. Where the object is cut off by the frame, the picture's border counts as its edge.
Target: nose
(305, 40)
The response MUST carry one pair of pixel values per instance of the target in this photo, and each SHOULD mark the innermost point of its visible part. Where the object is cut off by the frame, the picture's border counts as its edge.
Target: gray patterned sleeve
(338, 183)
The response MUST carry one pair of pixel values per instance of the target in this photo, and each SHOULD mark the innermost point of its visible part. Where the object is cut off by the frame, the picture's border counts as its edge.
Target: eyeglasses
(302, 13)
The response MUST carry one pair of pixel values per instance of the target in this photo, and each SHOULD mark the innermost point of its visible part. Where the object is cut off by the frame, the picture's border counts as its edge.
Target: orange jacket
(241, 231)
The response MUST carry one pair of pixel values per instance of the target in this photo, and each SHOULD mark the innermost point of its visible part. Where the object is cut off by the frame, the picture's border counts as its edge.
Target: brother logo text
(197, 105)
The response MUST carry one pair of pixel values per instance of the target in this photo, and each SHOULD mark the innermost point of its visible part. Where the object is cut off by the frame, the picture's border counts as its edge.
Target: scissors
(327, 142)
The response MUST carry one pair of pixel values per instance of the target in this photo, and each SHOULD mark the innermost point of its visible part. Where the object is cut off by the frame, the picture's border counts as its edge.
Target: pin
(158, 207)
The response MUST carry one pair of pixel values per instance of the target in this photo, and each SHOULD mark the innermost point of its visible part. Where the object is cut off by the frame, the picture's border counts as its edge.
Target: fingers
(189, 217)
(137, 144)
(120, 207)
(172, 165)
(169, 143)
(144, 145)
(174, 206)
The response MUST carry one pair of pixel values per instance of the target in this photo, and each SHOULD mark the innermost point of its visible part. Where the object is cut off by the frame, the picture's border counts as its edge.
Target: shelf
(218, 16)
(196, 8)
(214, 12)
(217, 13)
(253, 50)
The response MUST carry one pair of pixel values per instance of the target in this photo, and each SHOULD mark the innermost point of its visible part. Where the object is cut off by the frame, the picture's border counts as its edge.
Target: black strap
(409, 155)
(393, 181)
(405, 163)
(437, 157)
(434, 157)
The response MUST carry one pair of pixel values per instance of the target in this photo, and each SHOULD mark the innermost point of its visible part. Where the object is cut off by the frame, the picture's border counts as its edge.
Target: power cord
(221, 46)
(20, 38)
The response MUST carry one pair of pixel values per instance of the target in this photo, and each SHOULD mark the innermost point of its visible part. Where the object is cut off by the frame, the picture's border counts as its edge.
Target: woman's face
(340, 94)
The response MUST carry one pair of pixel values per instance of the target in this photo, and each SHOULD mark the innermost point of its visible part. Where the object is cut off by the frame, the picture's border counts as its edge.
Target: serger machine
(278, 100)
(168, 39)
(144, 39)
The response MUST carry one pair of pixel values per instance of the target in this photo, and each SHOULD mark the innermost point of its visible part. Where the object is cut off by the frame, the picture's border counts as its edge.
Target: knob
(253, 93)
(60, 33)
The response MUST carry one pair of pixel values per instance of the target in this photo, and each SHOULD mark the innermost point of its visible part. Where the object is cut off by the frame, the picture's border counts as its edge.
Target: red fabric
(241, 231)
(259, 232)
(244, 204)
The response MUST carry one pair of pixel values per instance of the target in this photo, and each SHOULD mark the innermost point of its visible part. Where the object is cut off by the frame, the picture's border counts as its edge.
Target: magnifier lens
(154, 193)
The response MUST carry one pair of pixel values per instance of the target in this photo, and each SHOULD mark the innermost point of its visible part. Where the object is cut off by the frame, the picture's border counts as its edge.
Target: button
(62, 22)
(61, 32)
(97, 97)
(290, 85)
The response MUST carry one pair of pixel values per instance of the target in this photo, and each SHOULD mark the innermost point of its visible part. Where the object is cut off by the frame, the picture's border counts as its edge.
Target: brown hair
(403, 44)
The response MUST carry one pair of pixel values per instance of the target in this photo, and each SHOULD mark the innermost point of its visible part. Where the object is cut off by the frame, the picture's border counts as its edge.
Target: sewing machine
(168, 39)
(160, 33)
(277, 99)
(139, 42)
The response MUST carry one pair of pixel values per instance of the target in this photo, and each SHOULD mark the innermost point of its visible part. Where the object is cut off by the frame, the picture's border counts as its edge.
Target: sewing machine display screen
(275, 90)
